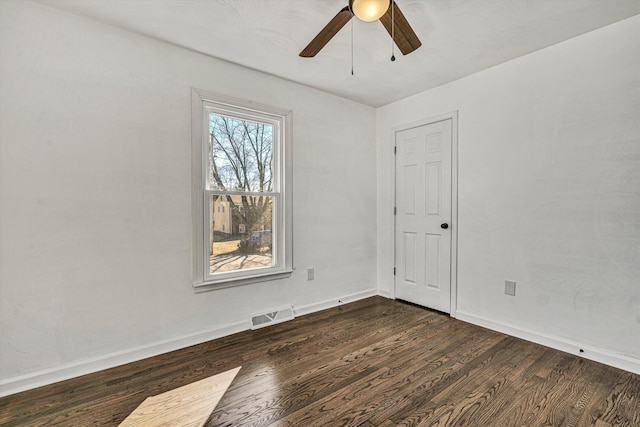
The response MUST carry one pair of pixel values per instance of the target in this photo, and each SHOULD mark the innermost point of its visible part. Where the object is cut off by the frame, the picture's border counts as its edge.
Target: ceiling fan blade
(404, 36)
(327, 33)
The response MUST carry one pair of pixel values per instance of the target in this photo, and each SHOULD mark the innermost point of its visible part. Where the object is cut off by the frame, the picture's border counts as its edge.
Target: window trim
(283, 156)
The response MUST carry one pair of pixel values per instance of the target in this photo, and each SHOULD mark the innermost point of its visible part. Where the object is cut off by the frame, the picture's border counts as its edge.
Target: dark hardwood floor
(375, 362)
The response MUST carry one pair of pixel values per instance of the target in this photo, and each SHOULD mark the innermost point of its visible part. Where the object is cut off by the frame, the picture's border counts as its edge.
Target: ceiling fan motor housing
(369, 10)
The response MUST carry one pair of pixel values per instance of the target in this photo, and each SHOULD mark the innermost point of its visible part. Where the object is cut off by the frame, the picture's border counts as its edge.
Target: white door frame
(453, 116)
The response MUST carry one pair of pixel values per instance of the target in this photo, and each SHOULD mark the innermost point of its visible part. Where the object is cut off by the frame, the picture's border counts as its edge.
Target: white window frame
(202, 103)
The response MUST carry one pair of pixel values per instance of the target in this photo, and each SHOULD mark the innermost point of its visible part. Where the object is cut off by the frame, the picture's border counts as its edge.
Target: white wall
(549, 193)
(95, 186)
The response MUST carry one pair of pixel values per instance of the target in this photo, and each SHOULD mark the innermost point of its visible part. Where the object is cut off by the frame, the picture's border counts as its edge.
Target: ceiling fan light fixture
(370, 10)
(386, 11)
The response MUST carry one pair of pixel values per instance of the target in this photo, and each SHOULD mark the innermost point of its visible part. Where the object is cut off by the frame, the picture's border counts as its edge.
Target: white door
(423, 215)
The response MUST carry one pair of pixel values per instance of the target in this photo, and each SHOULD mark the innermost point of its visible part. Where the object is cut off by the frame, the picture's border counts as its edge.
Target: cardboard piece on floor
(186, 406)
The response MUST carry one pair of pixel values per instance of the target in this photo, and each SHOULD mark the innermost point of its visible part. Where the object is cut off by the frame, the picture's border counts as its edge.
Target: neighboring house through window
(242, 171)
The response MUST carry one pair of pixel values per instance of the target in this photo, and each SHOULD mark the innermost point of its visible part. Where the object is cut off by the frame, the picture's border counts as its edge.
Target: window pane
(240, 155)
(240, 232)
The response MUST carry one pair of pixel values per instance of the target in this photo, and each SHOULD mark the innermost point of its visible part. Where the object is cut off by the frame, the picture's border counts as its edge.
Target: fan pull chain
(352, 45)
(393, 40)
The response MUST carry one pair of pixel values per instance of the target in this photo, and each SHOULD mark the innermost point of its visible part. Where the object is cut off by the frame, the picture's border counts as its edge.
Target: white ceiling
(459, 37)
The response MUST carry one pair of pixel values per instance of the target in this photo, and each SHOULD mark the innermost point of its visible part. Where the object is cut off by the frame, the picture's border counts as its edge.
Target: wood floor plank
(621, 406)
(506, 386)
(553, 409)
(316, 383)
(393, 394)
(427, 377)
(476, 395)
(324, 362)
(374, 362)
(523, 389)
(525, 402)
(586, 386)
(600, 388)
(433, 408)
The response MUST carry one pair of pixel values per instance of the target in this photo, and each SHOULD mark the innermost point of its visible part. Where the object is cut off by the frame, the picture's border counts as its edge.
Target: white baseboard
(88, 366)
(301, 310)
(386, 294)
(616, 360)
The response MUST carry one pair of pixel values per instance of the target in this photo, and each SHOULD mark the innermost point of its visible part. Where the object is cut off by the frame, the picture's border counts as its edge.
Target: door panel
(433, 188)
(432, 262)
(409, 206)
(423, 196)
(410, 257)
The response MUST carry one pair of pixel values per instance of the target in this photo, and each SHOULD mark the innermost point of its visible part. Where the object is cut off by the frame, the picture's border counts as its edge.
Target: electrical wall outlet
(310, 273)
(510, 288)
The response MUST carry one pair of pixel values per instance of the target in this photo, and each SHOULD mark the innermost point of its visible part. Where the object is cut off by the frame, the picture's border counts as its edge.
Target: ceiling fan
(387, 11)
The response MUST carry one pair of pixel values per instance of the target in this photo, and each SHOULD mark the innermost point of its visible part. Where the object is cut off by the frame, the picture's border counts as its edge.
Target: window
(241, 191)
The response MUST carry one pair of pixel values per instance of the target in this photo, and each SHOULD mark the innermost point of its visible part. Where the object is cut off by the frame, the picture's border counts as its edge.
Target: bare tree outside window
(240, 155)
(240, 163)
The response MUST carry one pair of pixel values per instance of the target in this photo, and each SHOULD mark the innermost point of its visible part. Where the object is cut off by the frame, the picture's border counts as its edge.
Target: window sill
(233, 282)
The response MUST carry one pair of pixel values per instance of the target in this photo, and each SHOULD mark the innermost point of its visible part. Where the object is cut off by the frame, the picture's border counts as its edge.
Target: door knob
(444, 225)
